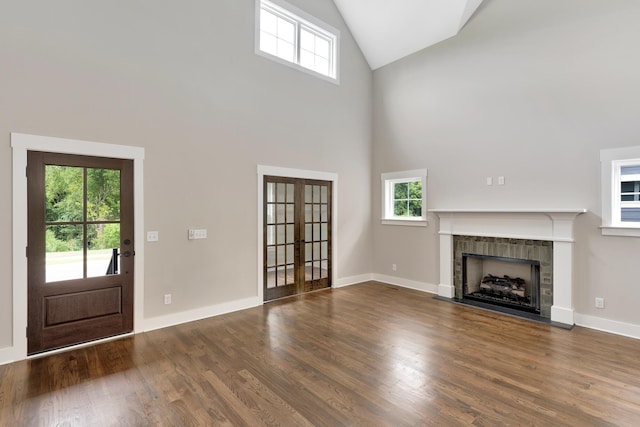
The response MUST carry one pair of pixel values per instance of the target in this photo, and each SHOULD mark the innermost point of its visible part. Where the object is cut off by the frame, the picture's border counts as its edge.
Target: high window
(292, 37)
(620, 169)
(404, 198)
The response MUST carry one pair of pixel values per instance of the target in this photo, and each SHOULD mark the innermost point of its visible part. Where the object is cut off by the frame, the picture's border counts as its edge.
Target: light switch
(501, 180)
(195, 234)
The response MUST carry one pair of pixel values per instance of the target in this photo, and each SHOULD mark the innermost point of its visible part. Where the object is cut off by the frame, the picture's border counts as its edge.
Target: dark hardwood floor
(365, 355)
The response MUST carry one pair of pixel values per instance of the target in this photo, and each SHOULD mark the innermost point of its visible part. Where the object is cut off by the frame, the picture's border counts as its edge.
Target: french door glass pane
(64, 255)
(271, 192)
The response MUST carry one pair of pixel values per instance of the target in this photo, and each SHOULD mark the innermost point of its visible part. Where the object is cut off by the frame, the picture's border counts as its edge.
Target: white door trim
(21, 143)
(302, 174)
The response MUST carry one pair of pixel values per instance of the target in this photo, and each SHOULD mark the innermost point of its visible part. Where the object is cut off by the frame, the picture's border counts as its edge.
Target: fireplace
(552, 227)
(504, 282)
(526, 263)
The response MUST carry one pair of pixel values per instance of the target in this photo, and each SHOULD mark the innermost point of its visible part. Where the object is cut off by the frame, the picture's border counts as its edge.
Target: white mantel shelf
(537, 210)
(556, 225)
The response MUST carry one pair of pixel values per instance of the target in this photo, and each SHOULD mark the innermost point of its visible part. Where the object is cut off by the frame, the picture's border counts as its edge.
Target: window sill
(409, 222)
(611, 230)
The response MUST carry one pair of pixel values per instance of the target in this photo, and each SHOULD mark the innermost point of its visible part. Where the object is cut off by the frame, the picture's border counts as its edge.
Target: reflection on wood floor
(363, 355)
(287, 276)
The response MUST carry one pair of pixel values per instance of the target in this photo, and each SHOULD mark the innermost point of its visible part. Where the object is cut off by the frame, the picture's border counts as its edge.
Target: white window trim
(387, 181)
(311, 21)
(610, 162)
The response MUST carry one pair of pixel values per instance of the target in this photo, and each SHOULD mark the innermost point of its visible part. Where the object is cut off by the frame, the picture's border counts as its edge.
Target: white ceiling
(389, 30)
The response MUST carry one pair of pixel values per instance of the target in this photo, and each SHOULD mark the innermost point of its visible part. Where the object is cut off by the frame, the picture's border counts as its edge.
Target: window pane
(103, 194)
(307, 59)
(415, 208)
(268, 22)
(290, 234)
(102, 239)
(415, 190)
(271, 277)
(64, 254)
(630, 215)
(630, 170)
(289, 253)
(324, 234)
(285, 50)
(308, 251)
(280, 211)
(280, 258)
(307, 40)
(291, 278)
(271, 256)
(271, 214)
(280, 192)
(268, 43)
(64, 189)
(323, 194)
(324, 209)
(291, 212)
(400, 208)
(280, 234)
(271, 235)
(286, 31)
(322, 47)
(290, 193)
(308, 193)
(316, 194)
(322, 66)
(401, 191)
(271, 192)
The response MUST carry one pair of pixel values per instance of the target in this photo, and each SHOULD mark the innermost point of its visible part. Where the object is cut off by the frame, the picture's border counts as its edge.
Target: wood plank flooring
(365, 355)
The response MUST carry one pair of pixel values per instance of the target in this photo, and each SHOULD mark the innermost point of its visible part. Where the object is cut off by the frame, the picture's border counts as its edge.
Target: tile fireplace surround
(555, 225)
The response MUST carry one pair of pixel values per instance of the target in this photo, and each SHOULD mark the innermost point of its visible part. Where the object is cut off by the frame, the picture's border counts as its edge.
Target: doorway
(80, 249)
(297, 252)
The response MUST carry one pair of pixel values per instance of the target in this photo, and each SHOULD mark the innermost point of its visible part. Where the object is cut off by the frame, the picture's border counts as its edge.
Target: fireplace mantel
(555, 225)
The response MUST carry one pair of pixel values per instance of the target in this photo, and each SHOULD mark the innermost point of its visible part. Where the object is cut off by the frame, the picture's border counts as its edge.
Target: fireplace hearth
(501, 281)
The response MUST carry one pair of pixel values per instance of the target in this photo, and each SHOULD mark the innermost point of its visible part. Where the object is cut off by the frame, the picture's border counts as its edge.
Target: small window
(290, 36)
(404, 198)
(620, 183)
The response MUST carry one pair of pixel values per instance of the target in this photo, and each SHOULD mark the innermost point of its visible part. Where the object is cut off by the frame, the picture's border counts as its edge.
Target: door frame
(21, 143)
(302, 174)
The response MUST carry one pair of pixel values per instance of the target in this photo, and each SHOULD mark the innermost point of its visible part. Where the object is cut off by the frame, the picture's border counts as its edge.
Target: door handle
(127, 254)
(300, 241)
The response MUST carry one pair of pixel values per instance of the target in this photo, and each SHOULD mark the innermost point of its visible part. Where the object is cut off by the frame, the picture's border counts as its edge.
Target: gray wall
(529, 90)
(181, 79)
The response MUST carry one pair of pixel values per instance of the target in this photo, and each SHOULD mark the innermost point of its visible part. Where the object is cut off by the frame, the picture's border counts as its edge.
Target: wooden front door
(297, 236)
(81, 248)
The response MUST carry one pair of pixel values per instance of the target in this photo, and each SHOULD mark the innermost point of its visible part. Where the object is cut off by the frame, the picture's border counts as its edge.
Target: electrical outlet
(167, 299)
(394, 267)
(501, 180)
(152, 236)
(599, 302)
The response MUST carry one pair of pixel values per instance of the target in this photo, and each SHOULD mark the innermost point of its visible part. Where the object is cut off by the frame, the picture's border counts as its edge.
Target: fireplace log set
(505, 287)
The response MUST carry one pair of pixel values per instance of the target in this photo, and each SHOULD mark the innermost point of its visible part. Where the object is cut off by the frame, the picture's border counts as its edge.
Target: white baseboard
(406, 283)
(159, 322)
(606, 325)
(353, 280)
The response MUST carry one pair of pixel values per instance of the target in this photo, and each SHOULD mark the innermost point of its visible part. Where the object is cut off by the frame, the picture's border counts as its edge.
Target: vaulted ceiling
(389, 30)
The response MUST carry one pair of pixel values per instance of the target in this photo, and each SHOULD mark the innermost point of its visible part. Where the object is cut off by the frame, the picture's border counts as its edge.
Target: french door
(80, 249)
(297, 236)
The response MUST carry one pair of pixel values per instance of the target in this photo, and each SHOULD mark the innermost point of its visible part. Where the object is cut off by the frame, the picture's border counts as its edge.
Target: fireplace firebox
(501, 281)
